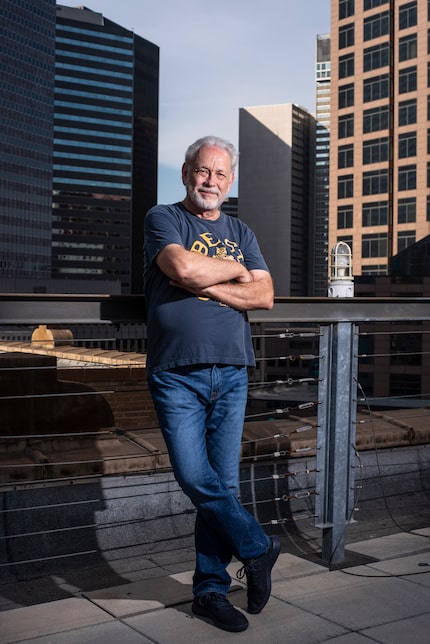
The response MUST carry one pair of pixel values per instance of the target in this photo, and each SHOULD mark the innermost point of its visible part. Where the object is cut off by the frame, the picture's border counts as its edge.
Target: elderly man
(203, 271)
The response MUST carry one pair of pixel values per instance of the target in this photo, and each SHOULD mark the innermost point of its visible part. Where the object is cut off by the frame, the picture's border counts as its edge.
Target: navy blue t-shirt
(185, 329)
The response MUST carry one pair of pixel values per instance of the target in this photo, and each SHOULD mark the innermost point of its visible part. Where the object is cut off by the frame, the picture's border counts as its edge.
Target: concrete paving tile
(392, 545)
(183, 577)
(405, 566)
(413, 631)
(170, 625)
(289, 567)
(423, 531)
(45, 619)
(356, 602)
(109, 633)
(278, 623)
(141, 596)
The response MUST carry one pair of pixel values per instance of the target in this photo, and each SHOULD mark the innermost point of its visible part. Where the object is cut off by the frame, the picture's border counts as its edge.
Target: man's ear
(184, 173)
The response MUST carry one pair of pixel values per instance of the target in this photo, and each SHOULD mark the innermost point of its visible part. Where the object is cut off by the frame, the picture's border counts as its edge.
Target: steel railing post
(337, 398)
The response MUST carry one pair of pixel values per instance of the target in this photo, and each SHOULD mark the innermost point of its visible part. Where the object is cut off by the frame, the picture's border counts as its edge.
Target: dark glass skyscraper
(27, 95)
(105, 148)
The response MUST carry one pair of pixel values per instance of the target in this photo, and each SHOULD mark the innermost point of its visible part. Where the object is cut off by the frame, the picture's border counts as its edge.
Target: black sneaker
(258, 575)
(217, 608)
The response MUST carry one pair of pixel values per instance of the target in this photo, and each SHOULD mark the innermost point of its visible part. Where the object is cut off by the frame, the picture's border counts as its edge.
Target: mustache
(211, 191)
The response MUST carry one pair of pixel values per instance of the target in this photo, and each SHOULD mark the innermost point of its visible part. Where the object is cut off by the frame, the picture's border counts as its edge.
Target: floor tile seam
(391, 622)
(401, 537)
(59, 630)
(119, 618)
(297, 576)
(400, 578)
(387, 559)
(348, 630)
(324, 618)
(415, 582)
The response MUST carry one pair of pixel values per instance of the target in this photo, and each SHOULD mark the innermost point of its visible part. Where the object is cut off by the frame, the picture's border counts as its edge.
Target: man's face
(208, 179)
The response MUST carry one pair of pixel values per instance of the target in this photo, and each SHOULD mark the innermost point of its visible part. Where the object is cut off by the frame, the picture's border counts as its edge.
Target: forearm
(246, 296)
(192, 270)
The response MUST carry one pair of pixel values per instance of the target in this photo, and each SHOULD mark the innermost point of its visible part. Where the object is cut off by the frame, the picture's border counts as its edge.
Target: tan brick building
(380, 128)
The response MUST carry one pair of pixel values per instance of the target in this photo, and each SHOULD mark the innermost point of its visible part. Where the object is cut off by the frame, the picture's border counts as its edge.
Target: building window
(375, 150)
(428, 207)
(375, 214)
(346, 36)
(428, 141)
(408, 112)
(376, 119)
(346, 126)
(407, 145)
(408, 47)
(375, 57)
(428, 74)
(373, 269)
(345, 156)
(374, 245)
(405, 238)
(428, 108)
(345, 186)
(407, 210)
(346, 9)
(405, 385)
(344, 217)
(408, 15)
(375, 88)
(371, 4)
(407, 80)
(428, 175)
(405, 348)
(346, 66)
(346, 95)
(428, 41)
(375, 182)
(407, 177)
(377, 25)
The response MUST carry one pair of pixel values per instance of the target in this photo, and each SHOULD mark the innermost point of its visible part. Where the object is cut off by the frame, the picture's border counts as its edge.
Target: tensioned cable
(292, 357)
(393, 332)
(288, 381)
(288, 335)
(284, 410)
(58, 395)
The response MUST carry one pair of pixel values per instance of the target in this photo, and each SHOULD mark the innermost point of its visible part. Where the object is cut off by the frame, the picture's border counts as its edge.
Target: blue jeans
(201, 413)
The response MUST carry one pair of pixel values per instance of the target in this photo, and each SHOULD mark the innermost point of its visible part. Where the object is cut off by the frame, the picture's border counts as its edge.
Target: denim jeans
(201, 410)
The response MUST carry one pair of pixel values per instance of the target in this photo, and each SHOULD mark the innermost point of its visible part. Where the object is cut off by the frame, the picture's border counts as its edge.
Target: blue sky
(218, 57)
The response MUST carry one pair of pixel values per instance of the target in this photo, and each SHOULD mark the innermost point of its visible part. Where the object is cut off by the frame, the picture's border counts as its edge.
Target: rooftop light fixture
(341, 283)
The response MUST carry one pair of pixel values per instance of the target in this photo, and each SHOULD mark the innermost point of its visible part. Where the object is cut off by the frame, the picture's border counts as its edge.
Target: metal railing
(312, 463)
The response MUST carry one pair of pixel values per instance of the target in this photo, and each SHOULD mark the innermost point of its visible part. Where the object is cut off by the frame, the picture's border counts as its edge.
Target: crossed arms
(228, 282)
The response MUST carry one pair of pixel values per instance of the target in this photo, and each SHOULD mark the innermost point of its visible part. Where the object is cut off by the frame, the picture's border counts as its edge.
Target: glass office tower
(27, 95)
(322, 166)
(105, 148)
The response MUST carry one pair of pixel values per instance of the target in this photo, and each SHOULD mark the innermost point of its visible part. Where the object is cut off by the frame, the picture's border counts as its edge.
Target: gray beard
(202, 203)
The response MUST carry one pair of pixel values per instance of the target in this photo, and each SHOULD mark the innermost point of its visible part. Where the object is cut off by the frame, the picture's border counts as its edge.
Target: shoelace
(247, 571)
(215, 598)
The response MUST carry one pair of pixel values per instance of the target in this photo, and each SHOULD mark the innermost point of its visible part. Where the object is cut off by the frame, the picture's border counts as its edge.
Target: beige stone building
(276, 145)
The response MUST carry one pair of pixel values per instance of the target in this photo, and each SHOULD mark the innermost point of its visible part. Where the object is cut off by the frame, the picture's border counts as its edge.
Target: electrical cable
(386, 575)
